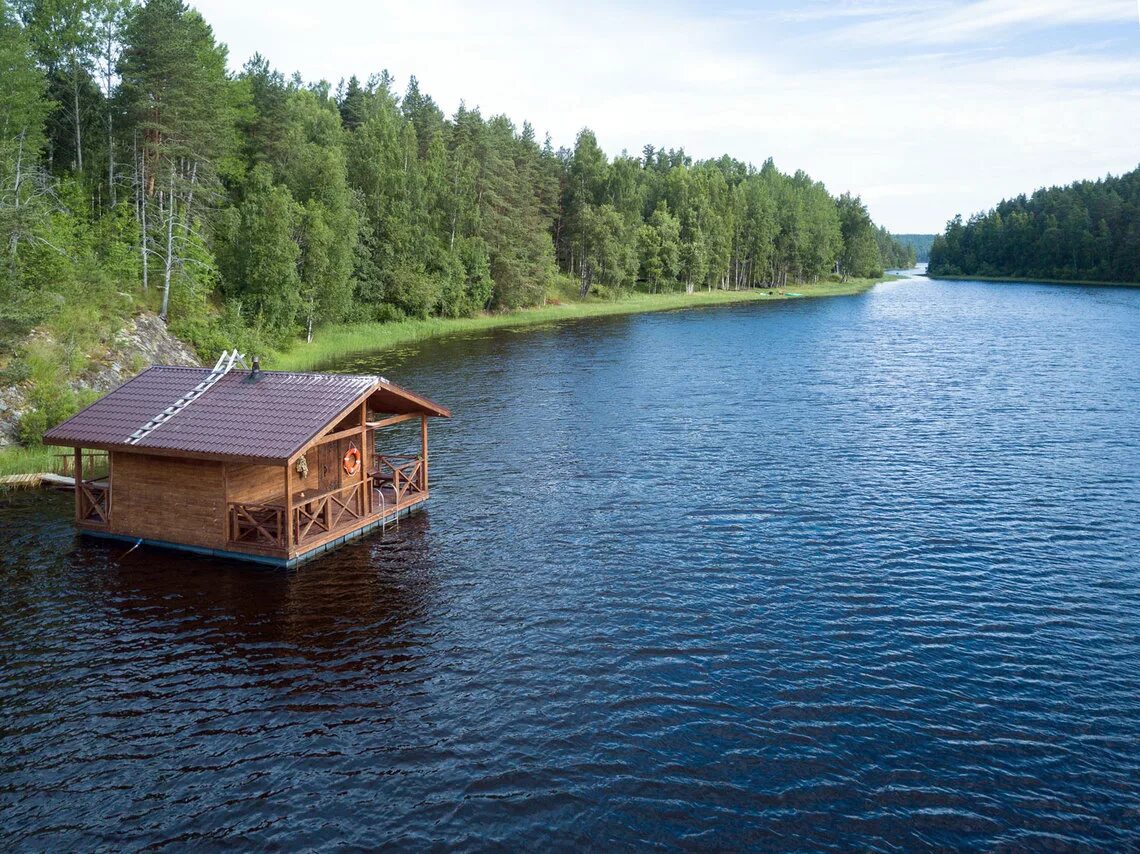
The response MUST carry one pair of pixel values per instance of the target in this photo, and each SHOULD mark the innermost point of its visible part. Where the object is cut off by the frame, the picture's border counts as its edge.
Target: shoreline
(339, 342)
(358, 339)
(1021, 280)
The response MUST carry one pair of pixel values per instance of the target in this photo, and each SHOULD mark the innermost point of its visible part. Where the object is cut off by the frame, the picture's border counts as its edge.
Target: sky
(925, 108)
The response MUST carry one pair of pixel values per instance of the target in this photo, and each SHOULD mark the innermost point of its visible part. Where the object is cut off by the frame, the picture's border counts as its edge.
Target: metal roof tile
(270, 416)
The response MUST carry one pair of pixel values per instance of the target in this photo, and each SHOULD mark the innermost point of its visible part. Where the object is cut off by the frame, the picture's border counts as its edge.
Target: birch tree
(183, 106)
(23, 111)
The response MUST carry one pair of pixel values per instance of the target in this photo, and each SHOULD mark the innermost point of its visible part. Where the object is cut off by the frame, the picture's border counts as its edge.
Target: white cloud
(955, 23)
(826, 10)
(921, 135)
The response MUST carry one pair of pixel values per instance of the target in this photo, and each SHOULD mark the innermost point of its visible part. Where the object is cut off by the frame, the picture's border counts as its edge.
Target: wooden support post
(365, 497)
(226, 502)
(79, 484)
(423, 454)
(288, 509)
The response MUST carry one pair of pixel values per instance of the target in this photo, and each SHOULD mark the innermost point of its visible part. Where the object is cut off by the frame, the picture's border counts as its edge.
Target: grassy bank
(334, 343)
(17, 460)
(1021, 280)
(331, 344)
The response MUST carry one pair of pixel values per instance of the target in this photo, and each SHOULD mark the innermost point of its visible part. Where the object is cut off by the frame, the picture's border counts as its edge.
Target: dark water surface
(857, 573)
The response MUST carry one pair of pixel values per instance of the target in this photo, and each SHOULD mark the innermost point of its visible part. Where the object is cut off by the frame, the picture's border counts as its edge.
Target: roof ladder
(224, 365)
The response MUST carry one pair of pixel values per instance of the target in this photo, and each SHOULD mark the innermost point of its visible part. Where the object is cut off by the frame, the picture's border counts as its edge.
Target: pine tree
(184, 108)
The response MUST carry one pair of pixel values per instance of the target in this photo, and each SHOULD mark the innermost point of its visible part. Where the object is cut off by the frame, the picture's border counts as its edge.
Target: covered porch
(327, 501)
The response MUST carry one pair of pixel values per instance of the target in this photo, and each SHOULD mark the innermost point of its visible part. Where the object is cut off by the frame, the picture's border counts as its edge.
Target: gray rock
(143, 342)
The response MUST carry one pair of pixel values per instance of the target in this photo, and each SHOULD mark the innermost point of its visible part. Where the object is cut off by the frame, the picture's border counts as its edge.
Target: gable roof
(269, 417)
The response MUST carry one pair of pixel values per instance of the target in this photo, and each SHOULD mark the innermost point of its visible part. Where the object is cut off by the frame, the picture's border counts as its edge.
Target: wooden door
(329, 461)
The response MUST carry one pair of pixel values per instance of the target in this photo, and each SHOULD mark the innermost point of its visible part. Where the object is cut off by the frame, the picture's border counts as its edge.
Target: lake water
(854, 573)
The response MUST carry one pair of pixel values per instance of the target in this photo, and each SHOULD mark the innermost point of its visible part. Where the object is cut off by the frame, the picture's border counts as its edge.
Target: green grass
(17, 460)
(1022, 280)
(334, 343)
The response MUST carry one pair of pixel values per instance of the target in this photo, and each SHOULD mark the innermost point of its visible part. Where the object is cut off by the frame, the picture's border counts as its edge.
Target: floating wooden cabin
(267, 466)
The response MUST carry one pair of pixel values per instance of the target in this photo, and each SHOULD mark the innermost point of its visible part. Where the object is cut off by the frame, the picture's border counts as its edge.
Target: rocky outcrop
(12, 405)
(142, 342)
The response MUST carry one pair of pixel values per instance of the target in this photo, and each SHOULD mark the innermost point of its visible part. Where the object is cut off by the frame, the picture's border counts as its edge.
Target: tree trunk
(14, 243)
(142, 221)
(186, 211)
(111, 157)
(455, 208)
(107, 77)
(78, 123)
(169, 250)
(587, 280)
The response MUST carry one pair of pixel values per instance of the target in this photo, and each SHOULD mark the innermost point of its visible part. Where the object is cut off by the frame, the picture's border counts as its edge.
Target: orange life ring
(351, 460)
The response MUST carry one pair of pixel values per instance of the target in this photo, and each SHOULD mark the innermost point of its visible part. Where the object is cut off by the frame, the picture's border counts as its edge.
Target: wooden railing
(404, 473)
(94, 501)
(94, 462)
(257, 524)
(316, 517)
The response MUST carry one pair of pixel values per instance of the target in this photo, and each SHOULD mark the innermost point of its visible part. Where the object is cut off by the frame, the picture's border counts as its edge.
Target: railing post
(423, 454)
(79, 484)
(288, 507)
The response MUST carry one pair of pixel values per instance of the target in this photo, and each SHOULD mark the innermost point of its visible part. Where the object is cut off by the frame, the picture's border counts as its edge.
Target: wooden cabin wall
(309, 482)
(247, 483)
(326, 466)
(165, 498)
(353, 419)
(342, 446)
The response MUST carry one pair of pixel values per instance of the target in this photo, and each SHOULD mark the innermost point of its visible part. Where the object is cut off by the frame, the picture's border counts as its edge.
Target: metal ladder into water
(224, 365)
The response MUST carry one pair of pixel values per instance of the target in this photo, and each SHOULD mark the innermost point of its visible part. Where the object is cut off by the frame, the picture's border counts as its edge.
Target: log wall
(165, 498)
(253, 484)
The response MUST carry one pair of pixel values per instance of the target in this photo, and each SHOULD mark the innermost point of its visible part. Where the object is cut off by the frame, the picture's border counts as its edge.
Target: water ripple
(825, 575)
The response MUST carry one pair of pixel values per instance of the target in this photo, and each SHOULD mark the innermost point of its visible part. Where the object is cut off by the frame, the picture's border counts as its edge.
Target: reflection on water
(853, 573)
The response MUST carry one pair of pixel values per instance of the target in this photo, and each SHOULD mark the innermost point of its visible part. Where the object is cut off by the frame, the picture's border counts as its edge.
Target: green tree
(262, 256)
(659, 248)
(23, 112)
(860, 253)
(1085, 230)
(184, 108)
(63, 35)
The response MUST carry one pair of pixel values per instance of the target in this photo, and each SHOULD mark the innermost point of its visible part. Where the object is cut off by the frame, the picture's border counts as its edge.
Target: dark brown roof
(270, 417)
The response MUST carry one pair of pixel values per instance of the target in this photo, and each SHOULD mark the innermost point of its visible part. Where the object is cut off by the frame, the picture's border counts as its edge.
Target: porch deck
(394, 485)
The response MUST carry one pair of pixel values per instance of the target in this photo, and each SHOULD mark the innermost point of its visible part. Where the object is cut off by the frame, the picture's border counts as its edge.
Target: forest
(250, 208)
(920, 243)
(1085, 231)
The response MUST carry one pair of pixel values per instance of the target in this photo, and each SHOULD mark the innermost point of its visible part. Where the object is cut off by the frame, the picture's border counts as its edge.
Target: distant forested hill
(1088, 230)
(920, 243)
